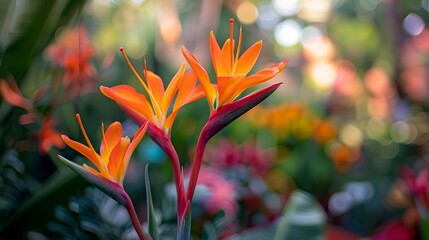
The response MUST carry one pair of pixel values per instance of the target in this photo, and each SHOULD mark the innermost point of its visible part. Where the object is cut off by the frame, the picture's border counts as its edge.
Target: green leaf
(152, 228)
(303, 218)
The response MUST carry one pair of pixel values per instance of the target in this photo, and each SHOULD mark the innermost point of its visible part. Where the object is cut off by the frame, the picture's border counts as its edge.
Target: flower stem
(134, 219)
(184, 226)
(164, 142)
(196, 164)
(175, 163)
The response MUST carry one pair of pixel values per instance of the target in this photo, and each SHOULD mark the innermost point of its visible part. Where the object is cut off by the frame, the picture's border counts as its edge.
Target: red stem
(134, 219)
(164, 142)
(196, 164)
(180, 189)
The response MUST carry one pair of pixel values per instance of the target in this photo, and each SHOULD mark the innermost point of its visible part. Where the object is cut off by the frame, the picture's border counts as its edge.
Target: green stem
(134, 219)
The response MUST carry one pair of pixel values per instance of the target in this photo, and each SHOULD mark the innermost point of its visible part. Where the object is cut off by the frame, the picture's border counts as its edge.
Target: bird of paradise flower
(231, 75)
(158, 114)
(110, 165)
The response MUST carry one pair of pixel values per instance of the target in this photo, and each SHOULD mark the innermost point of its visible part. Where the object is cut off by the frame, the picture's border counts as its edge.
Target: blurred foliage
(88, 216)
(15, 186)
(28, 27)
(352, 112)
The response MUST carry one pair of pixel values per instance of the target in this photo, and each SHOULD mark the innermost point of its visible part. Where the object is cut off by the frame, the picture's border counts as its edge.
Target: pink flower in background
(73, 52)
(221, 194)
(418, 187)
(395, 230)
(224, 154)
(258, 159)
(229, 155)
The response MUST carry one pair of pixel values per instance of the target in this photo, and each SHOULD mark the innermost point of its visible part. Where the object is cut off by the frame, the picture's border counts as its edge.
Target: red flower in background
(12, 95)
(48, 137)
(73, 52)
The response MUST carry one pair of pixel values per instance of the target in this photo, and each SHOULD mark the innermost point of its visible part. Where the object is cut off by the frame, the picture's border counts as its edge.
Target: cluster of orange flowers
(297, 122)
(293, 120)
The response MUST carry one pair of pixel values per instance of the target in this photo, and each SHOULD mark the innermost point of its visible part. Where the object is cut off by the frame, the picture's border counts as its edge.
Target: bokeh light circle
(267, 17)
(288, 33)
(247, 13)
(340, 203)
(286, 8)
(413, 24)
(311, 36)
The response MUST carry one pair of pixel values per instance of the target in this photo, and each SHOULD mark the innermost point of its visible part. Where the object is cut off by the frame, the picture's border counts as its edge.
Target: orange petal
(260, 77)
(146, 88)
(226, 53)
(85, 151)
(116, 160)
(156, 86)
(255, 79)
(110, 139)
(281, 65)
(96, 157)
(188, 83)
(170, 120)
(248, 59)
(92, 170)
(195, 94)
(138, 135)
(128, 96)
(227, 87)
(220, 63)
(172, 89)
(209, 90)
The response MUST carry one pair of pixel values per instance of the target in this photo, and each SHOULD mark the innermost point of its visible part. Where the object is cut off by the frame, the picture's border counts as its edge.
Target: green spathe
(112, 189)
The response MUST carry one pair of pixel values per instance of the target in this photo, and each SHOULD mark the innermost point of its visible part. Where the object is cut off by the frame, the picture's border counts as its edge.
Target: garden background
(349, 125)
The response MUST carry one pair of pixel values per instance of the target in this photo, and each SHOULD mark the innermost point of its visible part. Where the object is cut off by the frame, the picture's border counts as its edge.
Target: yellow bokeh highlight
(247, 13)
